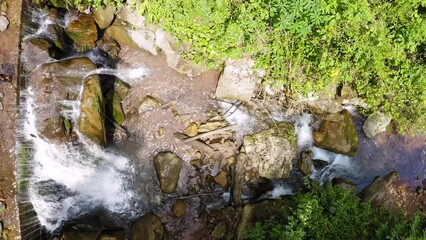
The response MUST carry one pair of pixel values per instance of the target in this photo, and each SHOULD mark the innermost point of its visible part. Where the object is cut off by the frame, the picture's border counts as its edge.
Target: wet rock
(179, 208)
(196, 163)
(109, 45)
(319, 164)
(111, 235)
(168, 166)
(2, 207)
(239, 80)
(148, 227)
(222, 179)
(305, 162)
(92, 114)
(377, 191)
(191, 130)
(348, 185)
(3, 9)
(337, 134)
(220, 231)
(148, 103)
(53, 83)
(260, 184)
(35, 50)
(259, 212)
(115, 108)
(138, 39)
(55, 34)
(121, 88)
(375, 124)
(4, 23)
(272, 151)
(83, 32)
(104, 15)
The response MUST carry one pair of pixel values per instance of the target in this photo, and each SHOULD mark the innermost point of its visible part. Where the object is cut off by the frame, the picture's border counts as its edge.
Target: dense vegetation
(377, 47)
(336, 213)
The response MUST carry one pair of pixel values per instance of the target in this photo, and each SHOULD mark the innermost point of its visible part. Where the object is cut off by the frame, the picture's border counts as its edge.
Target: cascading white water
(87, 175)
(338, 164)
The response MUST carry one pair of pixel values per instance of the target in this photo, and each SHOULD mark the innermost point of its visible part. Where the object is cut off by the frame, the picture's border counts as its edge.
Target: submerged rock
(272, 151)
(179, 208)
(168, 166)
(375, 124)
(53, 83)
(104, 15)
(148, 227)
(83, 32)
(305, 162)
(92, 114)
(239, 80)
(376, 192)
(337, 134)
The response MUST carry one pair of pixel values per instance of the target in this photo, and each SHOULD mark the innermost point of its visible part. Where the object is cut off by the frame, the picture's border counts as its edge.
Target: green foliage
(336, 213)
(376, 46)
(79, 4)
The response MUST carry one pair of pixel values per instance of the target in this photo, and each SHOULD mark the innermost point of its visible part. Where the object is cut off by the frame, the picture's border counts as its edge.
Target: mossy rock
(83, 32)
(148, 227)
(121, 88)
(337, 134)
(91, 121)
(116, 109)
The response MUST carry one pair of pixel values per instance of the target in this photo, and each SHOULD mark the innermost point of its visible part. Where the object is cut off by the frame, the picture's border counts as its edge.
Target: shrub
(336, 213)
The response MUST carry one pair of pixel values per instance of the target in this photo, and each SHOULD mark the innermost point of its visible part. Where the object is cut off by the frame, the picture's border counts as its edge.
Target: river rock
(220, 231)
(148, 103)
(53, 83)
(2, 207)
(135, 38)
(92, 113)
(168, 166)
(78, 235)
(305, 162)
(337, 134)
(4, 23)
(109, 45)
(35, 50)
(375, 124)
(319, 164)
(104, 15)
(260, 184)
(239, 80)
(148, 227)
(221, 179)
(196, 163)
(179, 208)
(376, 192)
(83, 32)
(272, 151)
(191, 130)
(116, 109)
(343, 183)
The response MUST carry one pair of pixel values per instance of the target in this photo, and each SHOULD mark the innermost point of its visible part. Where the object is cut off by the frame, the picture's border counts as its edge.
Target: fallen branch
(232, 127)
(198, 195)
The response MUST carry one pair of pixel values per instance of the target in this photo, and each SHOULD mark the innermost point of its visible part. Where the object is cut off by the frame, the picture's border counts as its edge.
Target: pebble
(4, 23)
(179, 208)
(191, 130)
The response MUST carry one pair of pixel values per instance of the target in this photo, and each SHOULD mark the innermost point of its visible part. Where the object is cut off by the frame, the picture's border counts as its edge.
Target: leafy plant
(336, 213)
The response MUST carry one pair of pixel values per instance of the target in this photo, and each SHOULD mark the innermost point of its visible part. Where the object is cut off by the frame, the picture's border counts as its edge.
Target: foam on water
(88, 175)
(132, 75)
(304, 132)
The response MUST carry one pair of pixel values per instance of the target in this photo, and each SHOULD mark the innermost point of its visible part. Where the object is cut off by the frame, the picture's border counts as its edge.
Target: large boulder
(148, 227)
(375, 124)
(272, 151)
(53, 83)
(168, 166)
(337, 134)
(239, 80)
(135, 38)
(83, 31)
(377, 192)
(92, 113)
(104, 15)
